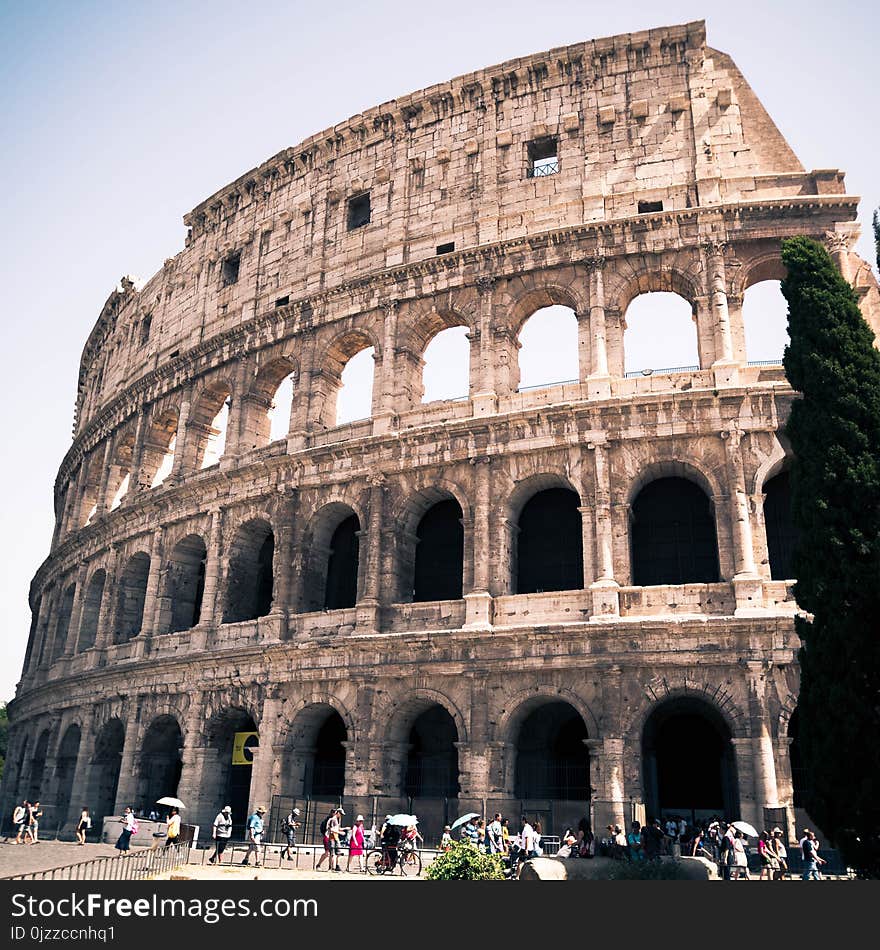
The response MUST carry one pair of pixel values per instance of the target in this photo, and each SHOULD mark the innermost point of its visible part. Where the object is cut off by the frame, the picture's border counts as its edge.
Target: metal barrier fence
(133, 866)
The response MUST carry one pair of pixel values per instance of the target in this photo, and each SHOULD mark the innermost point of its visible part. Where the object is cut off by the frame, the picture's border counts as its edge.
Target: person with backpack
(129, 828)
(291, 824)
(19, 819)
(331, 827)
(255, 836)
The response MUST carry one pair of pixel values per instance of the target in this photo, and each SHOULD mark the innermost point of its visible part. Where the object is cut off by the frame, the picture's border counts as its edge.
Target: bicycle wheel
(410, 863)
(375, 864)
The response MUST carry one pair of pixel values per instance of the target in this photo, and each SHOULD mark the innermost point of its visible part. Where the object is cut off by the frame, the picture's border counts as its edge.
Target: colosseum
(564, 599)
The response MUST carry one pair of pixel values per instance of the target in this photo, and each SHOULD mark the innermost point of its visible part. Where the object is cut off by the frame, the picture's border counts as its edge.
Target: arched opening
(106, 764)
(550, 553)
(688, 761)
(432, 760)
(233, 735)
(552, 760)
(91, 611)
(354, 400)
(796, 760)
(279, 410)
(65, 769)
(782, 535)
(62, 624)
(673, 535)
(120, 468)
(132, 596)
(121, 492)
(185, 584)
(159, 448)
(328, 775)
(314, 760)
(249, 583)
(38, 767)
(660, 334)
(18, 788)
(342, 566)
(161, 762)
(439, 560)
(548, 351)
(215, 436)
(765, 322)
(446, 370)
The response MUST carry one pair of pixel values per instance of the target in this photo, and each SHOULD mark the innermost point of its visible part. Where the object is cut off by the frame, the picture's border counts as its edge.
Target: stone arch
(181, 604)
(249, 577)
(62, 622)
(132, 596)
(631, 276)
(772, 464)
(105, 766)
(321, 532)
(160, 446)
(415, 367)
(230, 782)
(208, 426)
(332, 360)
(160, 760)
(523, 303)
(764, 265)
(314, 757)
(91, 485)
(93, 601)
(119, 478)
(671, 467)
(518, 705)
(259, 402)
(65, 770)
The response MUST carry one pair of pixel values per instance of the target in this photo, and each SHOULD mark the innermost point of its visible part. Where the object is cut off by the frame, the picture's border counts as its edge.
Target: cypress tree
(834, 428)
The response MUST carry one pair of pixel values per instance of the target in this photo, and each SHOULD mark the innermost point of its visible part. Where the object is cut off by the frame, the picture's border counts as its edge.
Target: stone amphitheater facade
(188, 612)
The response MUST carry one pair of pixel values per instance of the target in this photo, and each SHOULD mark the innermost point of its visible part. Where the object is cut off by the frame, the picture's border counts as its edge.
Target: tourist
(505, 836)
(634, 842)
(173, 832)
(221, 832)
(652, 840)
(32, 832)
(470, 833)
(356, 844)
(781, 855)
(291, 824)
(767, 856)
(586, 840)
(20, 820)
(482, 842)
(446, 839)
(326, 841)
(129, 828)
(494, 835)
(255, 836)
(527, 839)
(82, 826)
(620, 845)
(811, 859)
(389, 837)
(739, 867)
(332, 834)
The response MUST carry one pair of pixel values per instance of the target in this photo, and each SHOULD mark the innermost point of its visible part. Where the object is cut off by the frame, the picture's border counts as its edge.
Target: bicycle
(408, 861)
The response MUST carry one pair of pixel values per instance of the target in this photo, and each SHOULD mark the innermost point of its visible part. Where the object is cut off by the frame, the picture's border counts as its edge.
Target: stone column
(209, 615)
(599, 379)
(368, 605)
(837, 244)
(70, 643)
(384, 387)
(359, 779)
(284, 527)
(478, 601)
(80, 774)
(126, 790)
(744, 755)
(181, 443)
(137, 459)
(109, 602)
(484, 396)
(605, 589)
(587, 542)
(198, 762)
(101, 505)
(747, 584)
(150, 622)
(300, 417)
(264, 758)
(77, 516)
(766, 793)
(42, 631)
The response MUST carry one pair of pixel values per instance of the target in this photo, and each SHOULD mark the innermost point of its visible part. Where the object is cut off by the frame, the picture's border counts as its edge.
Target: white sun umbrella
(170, 802)
(745, 828)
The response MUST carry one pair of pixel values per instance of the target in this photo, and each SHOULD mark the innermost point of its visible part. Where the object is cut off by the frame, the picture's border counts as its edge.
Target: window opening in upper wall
(765, 322)
(446, 248)
(543, 157)
(358, 211)
(649, 207)
(282, 301)
(229, 269)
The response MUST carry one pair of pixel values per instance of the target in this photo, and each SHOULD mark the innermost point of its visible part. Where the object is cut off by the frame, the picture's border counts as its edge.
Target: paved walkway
(25, 858)
(237, 872)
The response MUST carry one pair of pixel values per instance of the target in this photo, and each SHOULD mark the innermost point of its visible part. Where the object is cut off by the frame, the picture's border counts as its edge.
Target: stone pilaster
(605, 589)
(599, 379)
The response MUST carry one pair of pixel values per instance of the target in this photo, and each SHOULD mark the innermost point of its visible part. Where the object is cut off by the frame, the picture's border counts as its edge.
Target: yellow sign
(243, 745)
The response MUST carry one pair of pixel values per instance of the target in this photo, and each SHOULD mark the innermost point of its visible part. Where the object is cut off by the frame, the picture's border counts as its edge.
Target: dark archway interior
(673, 535)
(187, 582)
(798, 772)
(782, 535)
(250, 577)
(38, 767)
(106, 764)
(91, 611)
(62, 627)
(688, 761)
(161, 762)
(65, 769)
(342, 566)
(550, 543)
(132, 596)
(432, 762)
(233, 781)
(328, 775)
(439, 553)
(551, 758)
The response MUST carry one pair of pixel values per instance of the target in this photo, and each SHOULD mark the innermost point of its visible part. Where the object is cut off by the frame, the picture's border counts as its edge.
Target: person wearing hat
(291, 824)
(357, 844)
(332, 834)
(221, 832)
(255, 836)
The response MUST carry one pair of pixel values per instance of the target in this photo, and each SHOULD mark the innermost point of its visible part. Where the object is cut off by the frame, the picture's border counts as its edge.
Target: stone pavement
(23, 859)
(237, 872)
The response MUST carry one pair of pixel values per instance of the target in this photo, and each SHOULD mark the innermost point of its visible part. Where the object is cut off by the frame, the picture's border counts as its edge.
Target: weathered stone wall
(654, 117)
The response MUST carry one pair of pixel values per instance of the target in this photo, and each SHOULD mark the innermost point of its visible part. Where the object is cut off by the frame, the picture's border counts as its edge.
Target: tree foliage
(834, 429)
(463, 862)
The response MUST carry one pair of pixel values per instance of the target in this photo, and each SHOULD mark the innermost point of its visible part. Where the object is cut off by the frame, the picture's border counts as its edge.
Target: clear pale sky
(118, 118)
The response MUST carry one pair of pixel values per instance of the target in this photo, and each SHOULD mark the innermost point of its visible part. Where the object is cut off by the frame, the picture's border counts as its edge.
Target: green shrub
(463, 862)
(646, 871)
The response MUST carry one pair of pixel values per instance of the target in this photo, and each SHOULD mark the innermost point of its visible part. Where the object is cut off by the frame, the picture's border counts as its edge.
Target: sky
(118, 118)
